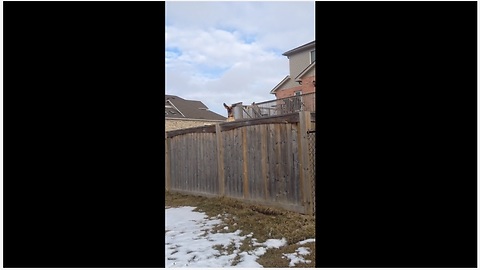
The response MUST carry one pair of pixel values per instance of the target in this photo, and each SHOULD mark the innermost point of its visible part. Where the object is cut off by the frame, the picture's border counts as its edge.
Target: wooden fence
(264, 161)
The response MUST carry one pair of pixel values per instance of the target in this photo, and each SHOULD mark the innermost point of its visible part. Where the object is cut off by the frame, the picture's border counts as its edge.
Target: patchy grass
(265, 223)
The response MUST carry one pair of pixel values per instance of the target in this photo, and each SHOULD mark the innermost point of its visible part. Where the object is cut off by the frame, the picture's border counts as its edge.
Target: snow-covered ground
(189, 243)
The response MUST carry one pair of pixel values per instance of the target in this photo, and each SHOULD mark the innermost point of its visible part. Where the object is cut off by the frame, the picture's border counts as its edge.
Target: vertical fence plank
(288, 164)
(304, 126)
(213, 143)
(167, 163)
(263, 145)
(194, 164)
(194, 153)
(245, 163)
(173, 168)
(238, 160)
(173, 161)
(281, 161)
(233, 161)
(180, 169)
(229, 162)
(271, 162)
(206, 157)
(278, 165)
(227, 150)
(221, 168)
(294, 161)
(238, 163)
(255, 179)
(187, 161)
(214, 164)
(251, 157)
(204, 163)
(200, 172)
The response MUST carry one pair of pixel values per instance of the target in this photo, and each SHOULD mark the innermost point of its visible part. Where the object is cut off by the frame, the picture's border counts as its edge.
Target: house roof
(307, 69)
(280, 84)
(309, 45)
(177, 107)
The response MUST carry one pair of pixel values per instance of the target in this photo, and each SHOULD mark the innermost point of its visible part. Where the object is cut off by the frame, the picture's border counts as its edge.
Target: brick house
(301, 80)
(181, 113)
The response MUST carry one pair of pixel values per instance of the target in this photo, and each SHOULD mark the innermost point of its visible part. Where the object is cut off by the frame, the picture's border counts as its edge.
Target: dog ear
(226, 107)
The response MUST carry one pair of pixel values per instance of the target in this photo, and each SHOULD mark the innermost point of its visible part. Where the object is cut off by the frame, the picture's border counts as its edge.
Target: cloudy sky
(232, 51)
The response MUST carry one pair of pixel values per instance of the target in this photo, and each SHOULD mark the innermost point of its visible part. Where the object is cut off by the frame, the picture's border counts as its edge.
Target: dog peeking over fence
(230, 112)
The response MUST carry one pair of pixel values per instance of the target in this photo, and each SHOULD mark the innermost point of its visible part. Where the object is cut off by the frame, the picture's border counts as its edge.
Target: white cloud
(231, 51)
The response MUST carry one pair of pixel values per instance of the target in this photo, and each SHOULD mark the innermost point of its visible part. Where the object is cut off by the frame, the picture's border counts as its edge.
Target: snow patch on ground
(189, 243)
(306, 241)
(296, 258)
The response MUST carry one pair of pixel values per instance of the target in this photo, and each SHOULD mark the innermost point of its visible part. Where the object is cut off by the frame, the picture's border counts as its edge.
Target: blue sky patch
(213, 72)
(246, 38)
(173, 50)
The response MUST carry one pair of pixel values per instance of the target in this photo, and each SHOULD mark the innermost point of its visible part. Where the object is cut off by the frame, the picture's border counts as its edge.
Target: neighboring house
(301, 80)
(181, 113)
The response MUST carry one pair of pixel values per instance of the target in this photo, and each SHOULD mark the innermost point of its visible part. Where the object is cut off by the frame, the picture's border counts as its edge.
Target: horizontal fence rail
(266, 161)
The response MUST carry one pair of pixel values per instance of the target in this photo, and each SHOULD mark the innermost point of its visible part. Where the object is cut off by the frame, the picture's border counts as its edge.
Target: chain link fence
(311, 156)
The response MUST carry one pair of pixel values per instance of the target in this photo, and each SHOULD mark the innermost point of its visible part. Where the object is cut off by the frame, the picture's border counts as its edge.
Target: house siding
(310, 73)
(288, 92)
(174, 124)
(306, 87)
(298, 62)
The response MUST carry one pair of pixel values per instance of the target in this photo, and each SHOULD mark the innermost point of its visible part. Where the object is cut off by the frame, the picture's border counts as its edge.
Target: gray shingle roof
(177, 107)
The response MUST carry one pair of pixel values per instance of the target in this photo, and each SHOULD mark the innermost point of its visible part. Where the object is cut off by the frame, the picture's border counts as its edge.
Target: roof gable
(286, 79)
(176, 107)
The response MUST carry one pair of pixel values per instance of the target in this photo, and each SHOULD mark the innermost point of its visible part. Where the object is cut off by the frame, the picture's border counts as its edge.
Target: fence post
(221, 167)
(168, 184)
(305, 178)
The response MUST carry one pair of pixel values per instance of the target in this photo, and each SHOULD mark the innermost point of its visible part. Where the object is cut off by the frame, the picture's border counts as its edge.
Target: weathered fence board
(255, 187)
(295, 164)
(290, 184)
(262, 161)
(271, 168)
